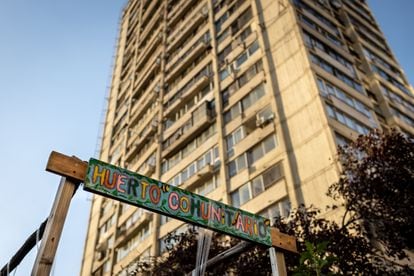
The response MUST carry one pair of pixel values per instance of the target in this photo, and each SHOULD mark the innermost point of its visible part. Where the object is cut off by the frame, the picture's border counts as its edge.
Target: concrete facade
(243, 101)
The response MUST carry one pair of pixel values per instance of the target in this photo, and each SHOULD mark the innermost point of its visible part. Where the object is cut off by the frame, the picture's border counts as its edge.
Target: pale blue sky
(55, 59)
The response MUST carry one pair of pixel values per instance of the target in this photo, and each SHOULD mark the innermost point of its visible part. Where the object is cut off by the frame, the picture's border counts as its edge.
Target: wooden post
(73, 172)
(53, 231)
(283, 241)
(277, 261)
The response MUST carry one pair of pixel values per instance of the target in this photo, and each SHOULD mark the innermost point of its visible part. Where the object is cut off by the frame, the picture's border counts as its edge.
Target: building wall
(244, 101)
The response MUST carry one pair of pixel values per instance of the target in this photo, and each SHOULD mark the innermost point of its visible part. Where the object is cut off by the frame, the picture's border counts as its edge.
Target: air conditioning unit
(99, 255)
(233, 68)
(157, 89)
(102, 246)
(151, 169)
(262, 121)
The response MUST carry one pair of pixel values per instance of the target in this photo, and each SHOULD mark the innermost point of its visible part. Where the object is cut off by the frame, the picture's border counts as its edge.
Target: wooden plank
(53, 231)
(284, 241)
(281, 265)
(67, 166)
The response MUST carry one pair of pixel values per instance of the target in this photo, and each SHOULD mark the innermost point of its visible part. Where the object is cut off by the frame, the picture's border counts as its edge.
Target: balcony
(180, 8)
(145, 32)
(149, 11)
(185, 58)
(198, 177)
(133, 160)
(144, 101)
(255, 135)
(137, 143)
(145, 135)
(196, 86)
(147, 170)
(149, 47)
(124, 86)
(184, 30)
(120, 112)
(150, 69)
(334, 62)
(201, 119)
(125, 234)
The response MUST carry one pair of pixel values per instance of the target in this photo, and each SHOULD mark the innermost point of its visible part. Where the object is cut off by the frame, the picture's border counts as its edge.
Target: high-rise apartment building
(243, 101)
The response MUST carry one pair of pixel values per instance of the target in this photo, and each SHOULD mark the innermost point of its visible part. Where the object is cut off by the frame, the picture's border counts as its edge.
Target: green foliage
(315, 260)
(377, 186)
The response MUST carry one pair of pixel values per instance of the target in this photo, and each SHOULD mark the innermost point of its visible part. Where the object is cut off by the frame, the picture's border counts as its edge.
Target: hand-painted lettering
(172, 201)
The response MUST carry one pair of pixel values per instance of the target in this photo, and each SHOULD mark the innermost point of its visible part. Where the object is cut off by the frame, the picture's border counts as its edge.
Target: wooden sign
(148, 193)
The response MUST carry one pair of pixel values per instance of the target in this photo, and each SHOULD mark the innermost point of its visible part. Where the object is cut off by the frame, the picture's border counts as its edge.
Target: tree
(376, 226)
(377, 186)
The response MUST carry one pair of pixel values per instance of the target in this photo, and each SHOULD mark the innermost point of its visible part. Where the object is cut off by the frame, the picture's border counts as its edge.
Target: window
(211, 157)
(258, 151)
(235, 166)
(327, 88)
(347, 120)
(279, 209)
(404, 117)
(199, 140)
(378, 60)
(272, 175)
(397, 99)
(244, 193)
(205, 72)
(316, 43)
(390, 79)
(257, 93)
(257, 185)
(223, 74)
(104, 228)
(132, 243)
(252, 155)
(327, 23)
(234, 138)
(341, 140)
(243, 57)
(337, 73)
(170, 119)
(208, 186)
(241, 81)
(223, 54)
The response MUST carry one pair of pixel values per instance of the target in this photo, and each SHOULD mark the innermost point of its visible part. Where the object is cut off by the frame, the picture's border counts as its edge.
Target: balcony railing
(181, 33)
(178, 10)
(201, 119)
(126, 233)
(178, 64)
(143, 144)
(198, 177)
(184, 95)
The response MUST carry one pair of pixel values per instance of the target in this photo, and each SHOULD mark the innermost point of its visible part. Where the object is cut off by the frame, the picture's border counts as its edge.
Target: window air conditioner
(262, 121)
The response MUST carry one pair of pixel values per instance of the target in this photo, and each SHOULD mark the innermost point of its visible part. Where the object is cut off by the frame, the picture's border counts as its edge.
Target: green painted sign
(148, 193)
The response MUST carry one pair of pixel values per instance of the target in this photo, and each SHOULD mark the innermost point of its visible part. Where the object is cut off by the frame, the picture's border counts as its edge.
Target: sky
(55, 67)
